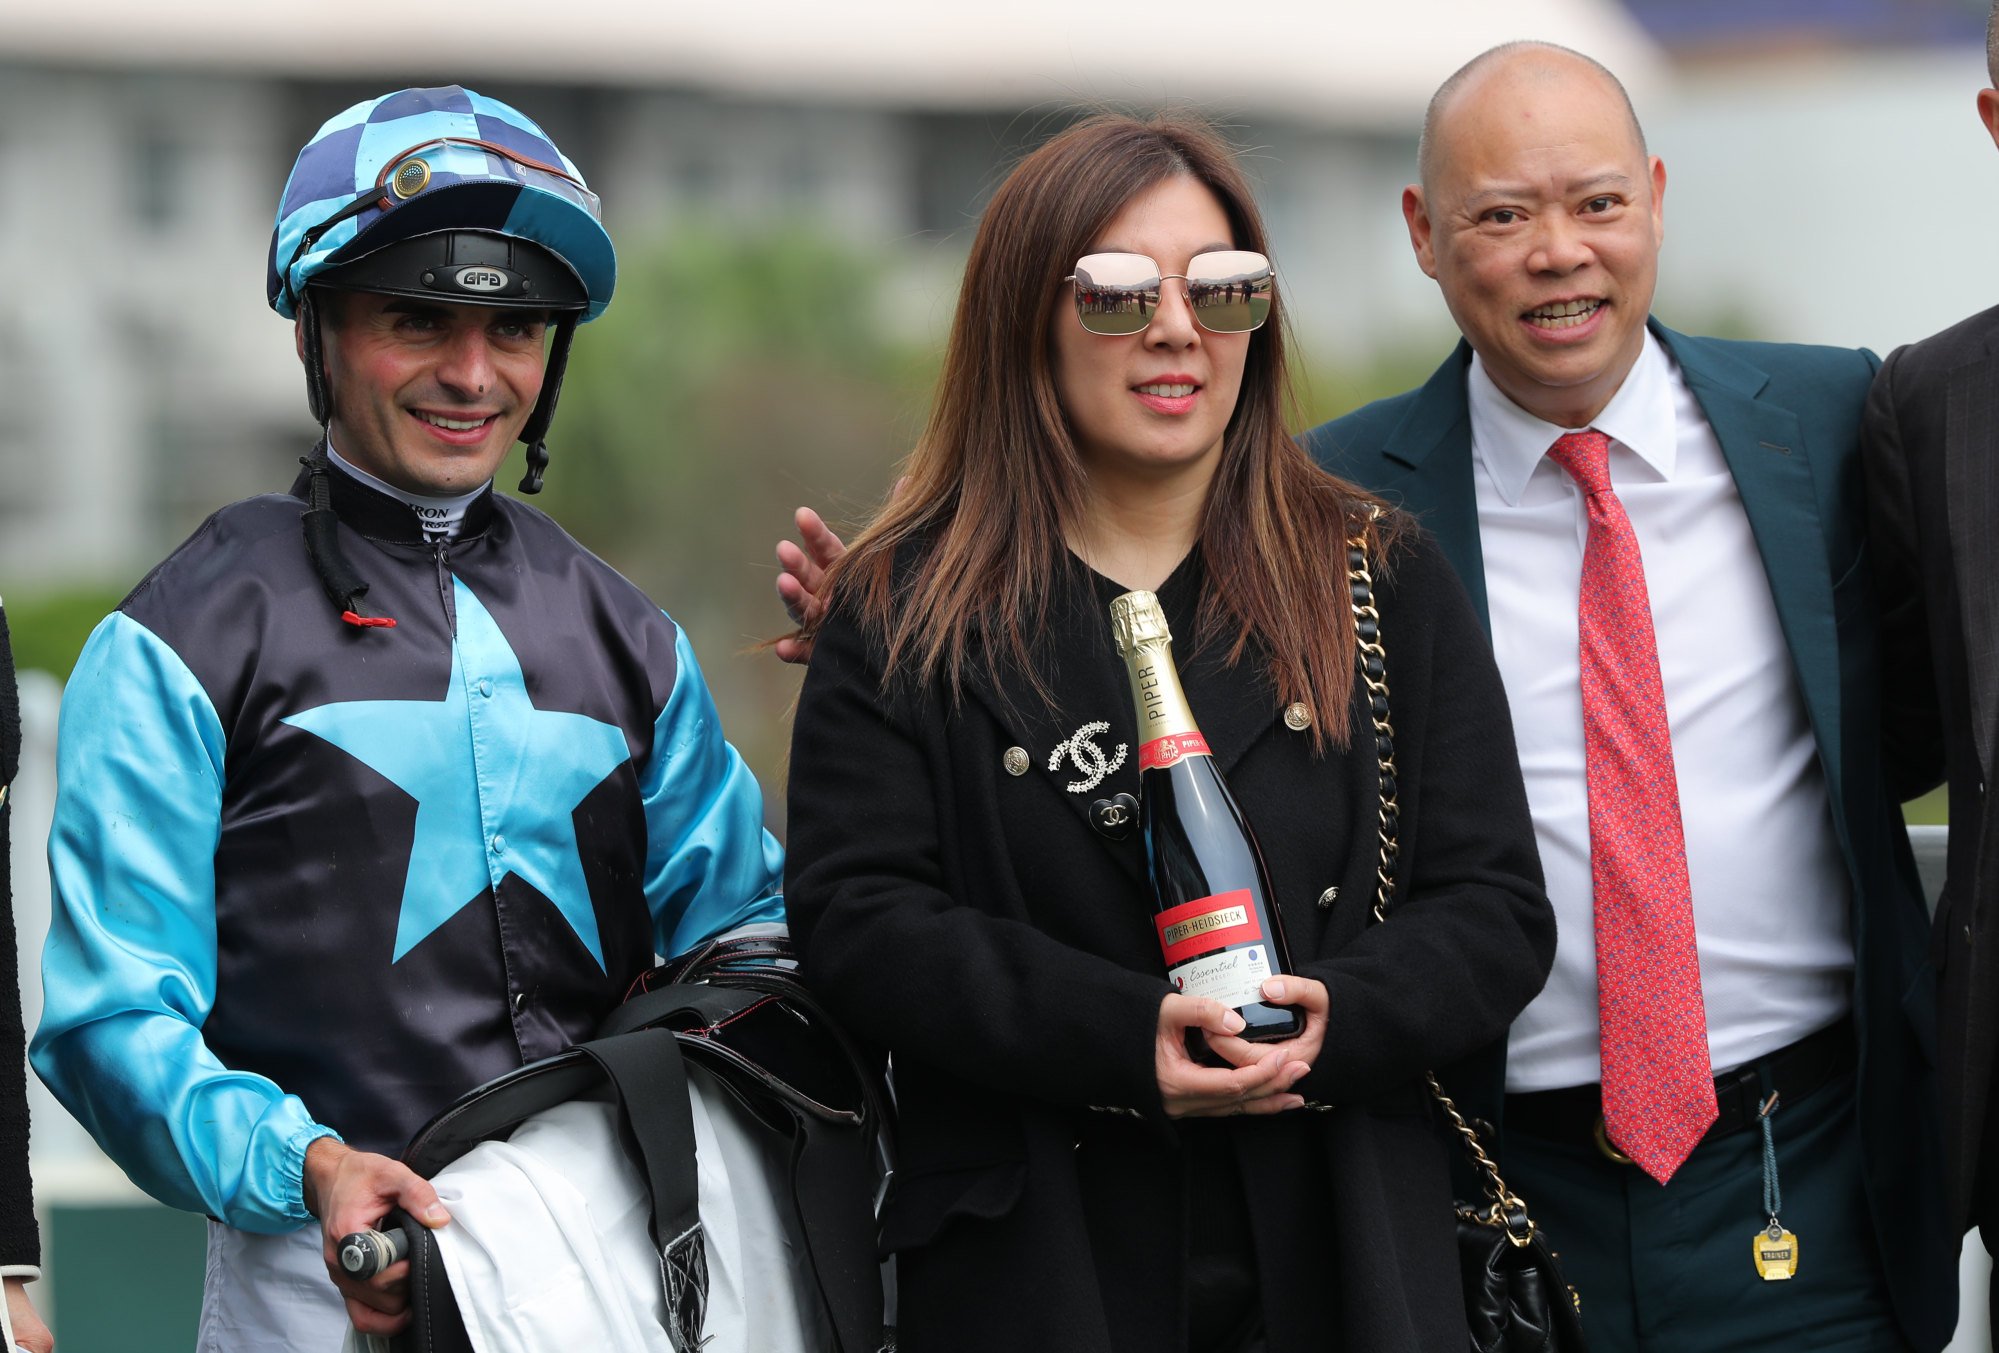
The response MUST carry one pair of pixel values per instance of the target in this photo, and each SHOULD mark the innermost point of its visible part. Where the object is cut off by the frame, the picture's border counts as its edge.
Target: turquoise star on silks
(496, 781)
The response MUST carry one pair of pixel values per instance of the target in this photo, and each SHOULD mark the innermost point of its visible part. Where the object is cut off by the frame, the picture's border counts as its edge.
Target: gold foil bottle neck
(1137, 619)
(1145, 643)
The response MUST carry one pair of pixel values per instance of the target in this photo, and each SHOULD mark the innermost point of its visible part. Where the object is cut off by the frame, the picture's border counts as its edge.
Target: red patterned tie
(1658, 1086)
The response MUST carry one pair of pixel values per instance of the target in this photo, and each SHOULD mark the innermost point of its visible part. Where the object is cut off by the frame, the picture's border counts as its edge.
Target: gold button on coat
(1015, 760)
(1298, 716)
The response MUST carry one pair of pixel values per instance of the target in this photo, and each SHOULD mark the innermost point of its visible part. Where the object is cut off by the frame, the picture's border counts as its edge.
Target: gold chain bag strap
(1516, 1300)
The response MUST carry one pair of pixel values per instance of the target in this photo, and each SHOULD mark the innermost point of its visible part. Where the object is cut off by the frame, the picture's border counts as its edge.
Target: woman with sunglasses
(966, 885)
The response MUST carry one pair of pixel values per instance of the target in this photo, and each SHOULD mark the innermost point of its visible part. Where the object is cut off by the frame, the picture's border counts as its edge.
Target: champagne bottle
(1219, 929)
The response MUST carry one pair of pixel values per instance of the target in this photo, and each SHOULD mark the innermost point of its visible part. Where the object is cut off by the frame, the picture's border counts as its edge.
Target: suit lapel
(1763, 445)
(1971, 505)
(1429, 454)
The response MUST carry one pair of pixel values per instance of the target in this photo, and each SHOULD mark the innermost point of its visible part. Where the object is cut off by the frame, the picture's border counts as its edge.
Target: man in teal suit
(1726, 497)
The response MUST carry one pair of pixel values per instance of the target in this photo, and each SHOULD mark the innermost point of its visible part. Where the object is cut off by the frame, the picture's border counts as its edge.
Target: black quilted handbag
(1516, 1300)
(1515, 1297)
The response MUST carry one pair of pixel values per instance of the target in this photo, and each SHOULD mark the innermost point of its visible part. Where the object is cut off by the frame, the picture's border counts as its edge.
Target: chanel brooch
(1080, 748)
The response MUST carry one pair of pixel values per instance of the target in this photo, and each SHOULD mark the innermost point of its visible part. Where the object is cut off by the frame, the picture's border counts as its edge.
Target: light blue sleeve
(128, 975)
(710, 865)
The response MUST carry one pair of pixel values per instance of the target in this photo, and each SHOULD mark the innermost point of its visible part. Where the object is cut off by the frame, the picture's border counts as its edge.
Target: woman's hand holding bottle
(1312, 1002)
(1260, 1076)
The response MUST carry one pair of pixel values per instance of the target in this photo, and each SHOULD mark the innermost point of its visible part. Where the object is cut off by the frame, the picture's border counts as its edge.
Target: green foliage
(47, 629)
(735, 378)
(731, 373)
(1325, 392)
(1931, 810)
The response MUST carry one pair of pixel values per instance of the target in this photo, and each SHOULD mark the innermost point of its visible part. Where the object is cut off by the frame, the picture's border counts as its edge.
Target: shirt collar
(1511, 442)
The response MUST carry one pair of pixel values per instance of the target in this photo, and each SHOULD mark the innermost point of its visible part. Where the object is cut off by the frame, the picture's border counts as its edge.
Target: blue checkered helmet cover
(468, 188)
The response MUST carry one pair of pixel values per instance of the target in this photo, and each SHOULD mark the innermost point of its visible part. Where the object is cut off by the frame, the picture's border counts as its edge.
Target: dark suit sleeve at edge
(1912, 721)
(1470, 935)
(900, 959)
(20, 1242)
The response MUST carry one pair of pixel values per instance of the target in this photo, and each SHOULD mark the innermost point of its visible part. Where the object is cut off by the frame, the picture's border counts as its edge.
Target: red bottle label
(1207, 923)
(1165, 751)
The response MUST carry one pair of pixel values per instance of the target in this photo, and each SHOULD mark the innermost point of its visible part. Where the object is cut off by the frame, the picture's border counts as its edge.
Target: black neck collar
(378, 516)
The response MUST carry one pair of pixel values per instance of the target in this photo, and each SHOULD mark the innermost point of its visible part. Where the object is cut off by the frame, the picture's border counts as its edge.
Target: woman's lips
(1169, 395)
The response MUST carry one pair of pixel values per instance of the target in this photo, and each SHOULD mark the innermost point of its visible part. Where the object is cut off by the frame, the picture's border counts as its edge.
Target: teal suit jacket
(1788, 420)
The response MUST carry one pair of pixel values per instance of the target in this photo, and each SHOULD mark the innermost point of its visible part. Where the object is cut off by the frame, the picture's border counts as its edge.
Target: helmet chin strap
(318, 399)
(343, 586)
(535, 432)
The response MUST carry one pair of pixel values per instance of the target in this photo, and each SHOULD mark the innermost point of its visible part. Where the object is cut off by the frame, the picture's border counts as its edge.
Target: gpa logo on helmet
(482, 278)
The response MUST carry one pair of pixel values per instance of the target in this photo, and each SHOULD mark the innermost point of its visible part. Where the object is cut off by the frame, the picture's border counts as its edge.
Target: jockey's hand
(350, 1191)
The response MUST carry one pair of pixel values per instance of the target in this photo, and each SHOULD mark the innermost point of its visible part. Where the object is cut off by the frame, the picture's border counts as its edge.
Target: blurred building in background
(142, 381)
(1829, 181)
(793, 187)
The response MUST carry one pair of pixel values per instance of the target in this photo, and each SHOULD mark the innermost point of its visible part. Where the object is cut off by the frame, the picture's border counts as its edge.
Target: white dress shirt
(1770, 892)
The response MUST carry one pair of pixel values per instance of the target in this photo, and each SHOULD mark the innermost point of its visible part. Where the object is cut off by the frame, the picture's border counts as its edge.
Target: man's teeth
(451, 424)
(1166, 391)
(1566, 315)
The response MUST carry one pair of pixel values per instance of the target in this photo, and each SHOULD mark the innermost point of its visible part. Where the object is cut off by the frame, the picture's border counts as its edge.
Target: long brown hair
(995, 484)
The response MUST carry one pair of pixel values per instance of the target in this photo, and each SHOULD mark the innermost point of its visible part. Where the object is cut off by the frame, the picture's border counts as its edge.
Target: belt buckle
(1605, 1145)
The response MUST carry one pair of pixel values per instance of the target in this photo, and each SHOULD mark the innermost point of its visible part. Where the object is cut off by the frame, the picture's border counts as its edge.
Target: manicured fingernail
(1233, 1022)
(436, 1213)
(1274, 989)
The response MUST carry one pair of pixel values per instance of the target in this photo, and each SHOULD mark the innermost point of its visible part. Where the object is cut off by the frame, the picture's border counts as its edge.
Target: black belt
(1575, 1114)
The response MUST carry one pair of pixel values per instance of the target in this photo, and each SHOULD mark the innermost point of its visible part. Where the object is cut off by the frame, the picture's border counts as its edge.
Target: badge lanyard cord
(1773, 1198)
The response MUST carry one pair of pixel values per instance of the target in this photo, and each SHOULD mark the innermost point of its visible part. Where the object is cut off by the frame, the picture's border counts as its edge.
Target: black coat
(1932, 457)
(20, 1242)
(976, 924)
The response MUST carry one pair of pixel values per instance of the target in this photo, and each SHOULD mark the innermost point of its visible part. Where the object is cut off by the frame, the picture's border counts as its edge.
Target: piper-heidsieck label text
(1202, 942)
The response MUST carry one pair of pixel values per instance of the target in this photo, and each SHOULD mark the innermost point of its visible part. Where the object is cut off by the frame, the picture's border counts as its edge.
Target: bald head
(1540, 215)
(1509, 64)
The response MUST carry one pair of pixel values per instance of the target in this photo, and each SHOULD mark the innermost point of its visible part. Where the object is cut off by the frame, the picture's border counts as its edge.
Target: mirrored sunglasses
(1228, 290)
